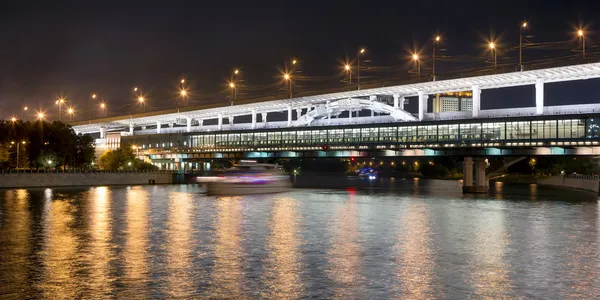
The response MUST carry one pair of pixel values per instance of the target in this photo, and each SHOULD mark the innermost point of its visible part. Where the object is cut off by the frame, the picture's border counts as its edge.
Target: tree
(4, 154)
(49, 159)
(123, 159)
(84, 150)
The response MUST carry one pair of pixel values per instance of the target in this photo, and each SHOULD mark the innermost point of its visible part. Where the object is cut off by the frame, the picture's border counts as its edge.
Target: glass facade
(497, 131)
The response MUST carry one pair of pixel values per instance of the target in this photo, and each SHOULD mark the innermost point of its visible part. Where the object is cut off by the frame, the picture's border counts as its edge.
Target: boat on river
(248, 178)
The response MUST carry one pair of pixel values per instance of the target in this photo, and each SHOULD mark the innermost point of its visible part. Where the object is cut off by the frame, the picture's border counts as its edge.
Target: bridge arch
(352, 104)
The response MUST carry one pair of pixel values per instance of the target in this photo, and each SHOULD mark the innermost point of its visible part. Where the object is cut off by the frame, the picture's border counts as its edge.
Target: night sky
(74, 49)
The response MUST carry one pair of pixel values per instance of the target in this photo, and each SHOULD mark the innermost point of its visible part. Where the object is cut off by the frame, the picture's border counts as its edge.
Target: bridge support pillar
(231, 122)
(539, 97)
(102, 132)
(253, 119)
(476, 101)
(158, 125)
(131, 126)
(422, 105)
(396, 98)
(220, 122)
(480, 185)
(298, 113)
(289, 118)
(188, 123)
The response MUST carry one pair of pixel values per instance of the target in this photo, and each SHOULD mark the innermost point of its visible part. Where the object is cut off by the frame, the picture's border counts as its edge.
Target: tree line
(41, 144)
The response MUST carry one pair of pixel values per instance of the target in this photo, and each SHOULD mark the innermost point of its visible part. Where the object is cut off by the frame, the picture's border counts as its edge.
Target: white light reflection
(283, 267)
(416, 273)
(345, 252)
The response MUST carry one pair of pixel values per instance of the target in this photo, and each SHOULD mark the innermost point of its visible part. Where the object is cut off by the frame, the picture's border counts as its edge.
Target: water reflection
(283, 268)
(135, 254)
(533, 191)
(489, 273)
(100, 252)
(416, 274)
(228, 254)
(15, 242)
(180, 278)
(60, 244)
(345, 253)
(581, 269)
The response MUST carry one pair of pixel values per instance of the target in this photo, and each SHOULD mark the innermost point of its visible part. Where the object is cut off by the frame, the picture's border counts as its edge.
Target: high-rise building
(458, 101)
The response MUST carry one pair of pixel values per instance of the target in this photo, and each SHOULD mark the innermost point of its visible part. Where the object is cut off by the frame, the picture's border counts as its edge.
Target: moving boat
(249, 178)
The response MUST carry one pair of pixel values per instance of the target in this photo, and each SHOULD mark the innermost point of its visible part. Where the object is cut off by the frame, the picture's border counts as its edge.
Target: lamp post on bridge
(522, 28)
(360, 51)
(349, 73)
(233, 92)
(288, 78)
(492, 46)
(581, 34)
(435, 43)
(416, 59)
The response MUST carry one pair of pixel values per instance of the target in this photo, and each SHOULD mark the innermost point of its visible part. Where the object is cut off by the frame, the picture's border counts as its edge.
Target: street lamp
(349, 73)
(40, 116)
(580, 33)
(360, 51)
(288, 78)
(18, 144)
(183, 93)
(90, 107)
(60, 102)
(13, 119)
(142, 103)
(492, 46)
(233, 92)
(416, 59)
(25, 108)
(522, 28)
(72, 113)
(436, 41)
(103, 108)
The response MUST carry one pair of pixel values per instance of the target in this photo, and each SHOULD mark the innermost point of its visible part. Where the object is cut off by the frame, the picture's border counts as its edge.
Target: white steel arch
(351, 104)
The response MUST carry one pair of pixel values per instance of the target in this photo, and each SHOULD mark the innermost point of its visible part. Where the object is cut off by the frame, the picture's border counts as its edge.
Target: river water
(409, 238)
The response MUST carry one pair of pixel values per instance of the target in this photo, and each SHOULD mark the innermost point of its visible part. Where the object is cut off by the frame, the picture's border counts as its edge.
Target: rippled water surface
(401, 239)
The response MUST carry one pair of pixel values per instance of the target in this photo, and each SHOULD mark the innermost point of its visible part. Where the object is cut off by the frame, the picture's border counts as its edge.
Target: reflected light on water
(283, 267)
(498, 187)
(180, 246)
(416, 274)
(100, 253)
(15, 241)
(533, 191)
(60, 245)
(489, 273)
(345, 253)
(228, 253)
(135, 254)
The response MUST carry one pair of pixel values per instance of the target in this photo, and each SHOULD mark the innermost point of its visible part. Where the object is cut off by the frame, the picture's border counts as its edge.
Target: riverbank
(36, 180)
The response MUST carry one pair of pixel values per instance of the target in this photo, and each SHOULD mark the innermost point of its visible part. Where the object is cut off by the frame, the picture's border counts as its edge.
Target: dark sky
(74, 49)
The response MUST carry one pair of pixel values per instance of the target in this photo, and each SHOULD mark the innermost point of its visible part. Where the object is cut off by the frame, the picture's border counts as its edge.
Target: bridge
(339, 125)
